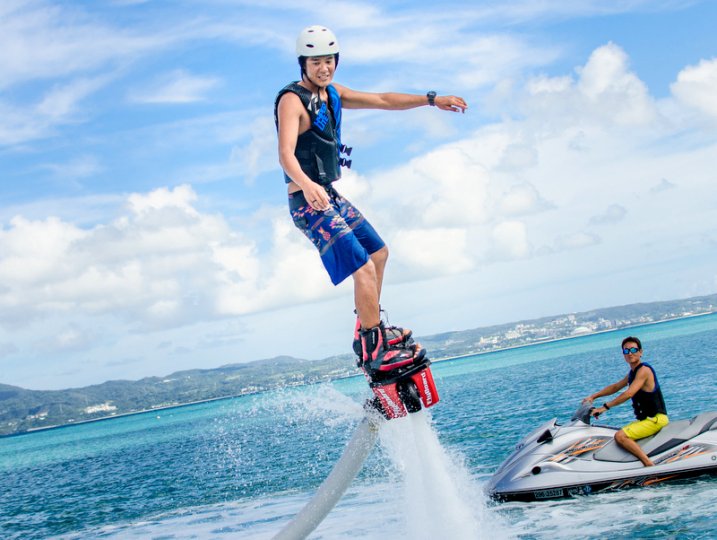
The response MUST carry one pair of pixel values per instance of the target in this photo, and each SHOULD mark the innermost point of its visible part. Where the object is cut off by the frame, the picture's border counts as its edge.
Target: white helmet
(316, 41)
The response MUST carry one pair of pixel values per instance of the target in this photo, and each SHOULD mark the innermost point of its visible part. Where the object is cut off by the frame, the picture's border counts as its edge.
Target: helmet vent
(316, 41)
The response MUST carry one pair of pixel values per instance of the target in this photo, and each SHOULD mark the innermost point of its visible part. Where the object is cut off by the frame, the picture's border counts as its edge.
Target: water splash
(439, 499)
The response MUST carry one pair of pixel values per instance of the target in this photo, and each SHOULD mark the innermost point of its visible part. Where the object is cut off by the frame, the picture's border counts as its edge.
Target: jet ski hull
(564, 492)
(558, 461)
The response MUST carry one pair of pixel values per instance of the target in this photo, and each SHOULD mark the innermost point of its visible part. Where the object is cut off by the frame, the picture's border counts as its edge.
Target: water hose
(331, 489)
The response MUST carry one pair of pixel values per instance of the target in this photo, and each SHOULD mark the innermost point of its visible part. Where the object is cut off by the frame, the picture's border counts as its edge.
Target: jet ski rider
(308, 120)
(647, 401)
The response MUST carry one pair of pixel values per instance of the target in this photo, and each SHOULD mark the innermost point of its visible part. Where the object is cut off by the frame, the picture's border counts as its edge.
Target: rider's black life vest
(318, 148)
(647, 404)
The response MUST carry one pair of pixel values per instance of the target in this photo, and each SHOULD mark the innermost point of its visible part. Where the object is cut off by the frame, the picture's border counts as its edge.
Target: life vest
(318, 149)
(647, 403)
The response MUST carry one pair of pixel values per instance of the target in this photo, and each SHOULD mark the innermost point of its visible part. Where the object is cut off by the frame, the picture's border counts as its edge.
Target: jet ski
(577, 458)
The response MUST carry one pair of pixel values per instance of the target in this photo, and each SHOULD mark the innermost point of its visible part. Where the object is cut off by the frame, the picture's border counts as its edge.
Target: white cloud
(584, 143)
(176, 87)
(161, 264)
(443, 43)
(431, 252)
(40, 40)
(663, 185)
(606, 92)
(522, 199)
(60, 105)
(71, 338)
(132, 265)
(7, 349)
(61, 101)
(576, 240)
(510, 241)
(696, 87)
(79, 167)
(253, 158)
(612, 214)
(18, 125)
(79, 53)
(529, 10)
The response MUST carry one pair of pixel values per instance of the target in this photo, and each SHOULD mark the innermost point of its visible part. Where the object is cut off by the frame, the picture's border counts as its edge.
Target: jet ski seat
(673, 434)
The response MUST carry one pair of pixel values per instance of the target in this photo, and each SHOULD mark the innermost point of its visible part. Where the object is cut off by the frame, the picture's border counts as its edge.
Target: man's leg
(366, 290)
(371, 343)
(395, 334)
(631, 446)
(379, 259)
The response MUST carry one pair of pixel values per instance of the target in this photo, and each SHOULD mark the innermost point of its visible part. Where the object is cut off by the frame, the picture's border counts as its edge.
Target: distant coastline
(349, 376)
(553, 340)
(120, 415)
(30, 411)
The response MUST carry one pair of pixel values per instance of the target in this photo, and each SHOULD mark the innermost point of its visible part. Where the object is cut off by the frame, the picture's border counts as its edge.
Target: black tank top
(647, 404)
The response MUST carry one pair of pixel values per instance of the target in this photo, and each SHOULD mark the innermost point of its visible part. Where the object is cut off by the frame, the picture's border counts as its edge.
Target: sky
(143, 219)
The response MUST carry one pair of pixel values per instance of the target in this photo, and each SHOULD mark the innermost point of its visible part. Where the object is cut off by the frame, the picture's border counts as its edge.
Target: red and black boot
(378, 358)
(395, 337)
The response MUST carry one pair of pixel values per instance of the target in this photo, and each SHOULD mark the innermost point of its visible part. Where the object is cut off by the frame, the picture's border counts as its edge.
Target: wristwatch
(431, 98)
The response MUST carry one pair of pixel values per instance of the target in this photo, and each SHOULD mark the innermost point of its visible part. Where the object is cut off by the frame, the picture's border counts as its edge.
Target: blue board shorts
(344, 237)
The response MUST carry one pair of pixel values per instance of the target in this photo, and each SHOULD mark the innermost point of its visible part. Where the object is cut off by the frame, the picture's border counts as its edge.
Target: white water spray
(440, 499)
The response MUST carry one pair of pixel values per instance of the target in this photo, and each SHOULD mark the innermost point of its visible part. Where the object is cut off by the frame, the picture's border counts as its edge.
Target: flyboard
(398, 392)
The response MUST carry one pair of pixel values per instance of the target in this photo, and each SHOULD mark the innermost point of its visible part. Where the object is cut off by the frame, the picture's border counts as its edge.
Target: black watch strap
(431, 98)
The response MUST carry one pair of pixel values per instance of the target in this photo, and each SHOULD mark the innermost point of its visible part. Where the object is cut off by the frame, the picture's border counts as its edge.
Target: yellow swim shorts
(639, 429)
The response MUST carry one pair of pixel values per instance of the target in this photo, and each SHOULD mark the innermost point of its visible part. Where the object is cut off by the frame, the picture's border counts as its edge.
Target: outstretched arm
(394, 101)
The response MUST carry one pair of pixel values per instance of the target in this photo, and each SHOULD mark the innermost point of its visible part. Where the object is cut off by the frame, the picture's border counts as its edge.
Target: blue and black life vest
(319, 148)
(647, 404)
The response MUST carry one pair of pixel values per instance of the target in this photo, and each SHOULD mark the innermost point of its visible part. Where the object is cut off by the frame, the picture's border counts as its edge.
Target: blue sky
(143, 226)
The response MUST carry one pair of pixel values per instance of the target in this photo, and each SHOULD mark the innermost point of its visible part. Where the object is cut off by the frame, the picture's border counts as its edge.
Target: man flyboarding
(308, 120)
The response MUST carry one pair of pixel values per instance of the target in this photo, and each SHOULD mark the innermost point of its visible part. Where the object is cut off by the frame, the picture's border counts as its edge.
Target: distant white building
(581, 330)
(104, 407)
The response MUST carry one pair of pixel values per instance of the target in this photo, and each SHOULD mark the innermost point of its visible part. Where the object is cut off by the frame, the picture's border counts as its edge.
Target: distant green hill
(23, 410)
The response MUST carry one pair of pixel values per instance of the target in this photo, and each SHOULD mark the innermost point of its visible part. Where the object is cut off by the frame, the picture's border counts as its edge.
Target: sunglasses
(631, 350)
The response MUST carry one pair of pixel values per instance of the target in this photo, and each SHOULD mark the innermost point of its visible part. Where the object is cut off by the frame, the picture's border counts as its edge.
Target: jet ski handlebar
(583, 413)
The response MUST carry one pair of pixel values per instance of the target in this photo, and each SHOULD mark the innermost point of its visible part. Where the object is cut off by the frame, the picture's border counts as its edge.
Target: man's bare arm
(289, 112)
(394, 101)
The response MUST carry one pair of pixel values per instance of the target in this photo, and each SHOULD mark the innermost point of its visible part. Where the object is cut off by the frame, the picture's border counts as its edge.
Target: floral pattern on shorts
(323, 228)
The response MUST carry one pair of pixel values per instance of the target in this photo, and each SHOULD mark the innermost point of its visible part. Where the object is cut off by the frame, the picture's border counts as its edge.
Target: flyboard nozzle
(405, 390)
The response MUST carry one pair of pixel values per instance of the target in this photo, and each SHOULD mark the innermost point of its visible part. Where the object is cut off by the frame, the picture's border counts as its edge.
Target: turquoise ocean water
(239, 468)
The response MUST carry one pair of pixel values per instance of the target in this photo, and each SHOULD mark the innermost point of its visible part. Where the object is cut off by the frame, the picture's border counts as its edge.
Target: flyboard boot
(395, 336)
(397, 370)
